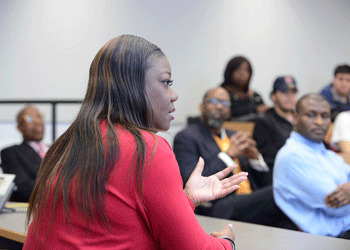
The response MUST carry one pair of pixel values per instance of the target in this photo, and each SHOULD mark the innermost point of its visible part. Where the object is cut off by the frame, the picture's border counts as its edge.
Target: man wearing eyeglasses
(24, 160)
(221, 148)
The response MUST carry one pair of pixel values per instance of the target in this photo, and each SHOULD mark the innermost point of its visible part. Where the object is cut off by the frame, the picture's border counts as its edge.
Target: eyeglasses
(216, 101)
(30, 119)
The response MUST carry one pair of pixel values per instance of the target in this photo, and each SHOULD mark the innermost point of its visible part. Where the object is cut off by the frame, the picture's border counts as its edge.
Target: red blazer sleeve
(169, 210)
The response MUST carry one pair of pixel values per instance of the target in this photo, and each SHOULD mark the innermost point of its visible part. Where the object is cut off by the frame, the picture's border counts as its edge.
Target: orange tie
(224, 144)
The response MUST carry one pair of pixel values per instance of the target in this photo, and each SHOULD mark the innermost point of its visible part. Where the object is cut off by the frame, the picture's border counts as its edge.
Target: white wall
(48, 45)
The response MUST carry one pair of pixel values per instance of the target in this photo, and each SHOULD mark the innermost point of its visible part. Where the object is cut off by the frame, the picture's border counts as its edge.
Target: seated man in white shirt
(340, 139)
(24, 160)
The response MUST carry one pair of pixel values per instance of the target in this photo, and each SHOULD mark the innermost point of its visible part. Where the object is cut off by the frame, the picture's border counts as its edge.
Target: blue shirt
(304, 173)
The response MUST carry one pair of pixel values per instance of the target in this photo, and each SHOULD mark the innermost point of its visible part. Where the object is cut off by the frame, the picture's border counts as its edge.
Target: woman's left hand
(202, 189)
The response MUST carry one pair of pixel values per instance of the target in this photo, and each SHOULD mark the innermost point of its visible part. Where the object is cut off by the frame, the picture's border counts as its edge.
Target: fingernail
(230, 226)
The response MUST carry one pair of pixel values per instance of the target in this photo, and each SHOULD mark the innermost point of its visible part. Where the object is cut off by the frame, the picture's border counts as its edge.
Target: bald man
(312, 184)
(24, 160)
(220, 148)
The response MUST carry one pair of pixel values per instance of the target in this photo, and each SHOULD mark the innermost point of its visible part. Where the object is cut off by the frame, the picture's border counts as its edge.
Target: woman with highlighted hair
(109, 182)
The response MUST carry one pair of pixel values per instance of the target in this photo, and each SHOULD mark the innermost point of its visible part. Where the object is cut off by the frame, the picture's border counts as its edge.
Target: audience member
(340, 139)
(311, 183)
(340, 136)
(221, 148)
(273, 129)
(337, 93)
(246, 103)
(109, 182)
(24, 160)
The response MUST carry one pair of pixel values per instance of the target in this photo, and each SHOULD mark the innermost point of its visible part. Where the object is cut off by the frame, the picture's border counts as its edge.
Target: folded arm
(309, 184)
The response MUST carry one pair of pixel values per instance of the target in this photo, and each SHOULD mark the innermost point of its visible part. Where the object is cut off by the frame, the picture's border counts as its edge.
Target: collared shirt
(39, 147)
(304, 173)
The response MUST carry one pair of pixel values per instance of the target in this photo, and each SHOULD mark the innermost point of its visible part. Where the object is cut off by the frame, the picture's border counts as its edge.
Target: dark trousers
(258, 207)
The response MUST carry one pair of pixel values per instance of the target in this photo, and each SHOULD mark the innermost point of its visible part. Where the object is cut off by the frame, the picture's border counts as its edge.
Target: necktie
(42, 150)
(224, 144)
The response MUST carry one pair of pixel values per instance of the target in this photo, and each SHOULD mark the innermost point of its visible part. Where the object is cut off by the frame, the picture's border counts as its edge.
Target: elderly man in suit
(220, 148)
(24, 160)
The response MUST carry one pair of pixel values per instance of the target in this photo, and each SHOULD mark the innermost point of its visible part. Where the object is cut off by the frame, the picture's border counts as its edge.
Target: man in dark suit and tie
(220, 148)
(24, 160)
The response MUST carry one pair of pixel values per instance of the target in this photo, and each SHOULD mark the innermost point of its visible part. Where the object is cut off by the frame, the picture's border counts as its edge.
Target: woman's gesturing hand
(201, 189)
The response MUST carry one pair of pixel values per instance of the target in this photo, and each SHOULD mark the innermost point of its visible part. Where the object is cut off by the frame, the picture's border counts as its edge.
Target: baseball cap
(284, 84)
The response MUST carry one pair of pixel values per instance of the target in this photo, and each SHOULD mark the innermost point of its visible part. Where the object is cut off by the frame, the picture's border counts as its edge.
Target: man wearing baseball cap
(273, 129)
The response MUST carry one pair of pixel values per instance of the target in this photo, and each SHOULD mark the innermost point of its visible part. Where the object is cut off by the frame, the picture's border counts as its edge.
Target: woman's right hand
(227, 232)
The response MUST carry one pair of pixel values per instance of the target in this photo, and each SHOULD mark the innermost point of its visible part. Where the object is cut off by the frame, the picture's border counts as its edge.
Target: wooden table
(12, 226)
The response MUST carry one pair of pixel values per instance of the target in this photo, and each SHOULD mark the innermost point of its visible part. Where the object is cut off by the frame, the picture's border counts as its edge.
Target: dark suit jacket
(197, 141)
(259, 207)
(24, 162)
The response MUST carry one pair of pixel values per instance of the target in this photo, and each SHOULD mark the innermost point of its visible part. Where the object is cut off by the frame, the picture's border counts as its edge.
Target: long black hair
(77, 160)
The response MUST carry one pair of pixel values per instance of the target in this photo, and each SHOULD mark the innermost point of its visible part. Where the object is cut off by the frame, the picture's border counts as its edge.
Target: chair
(192, 120)
(247, 127)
